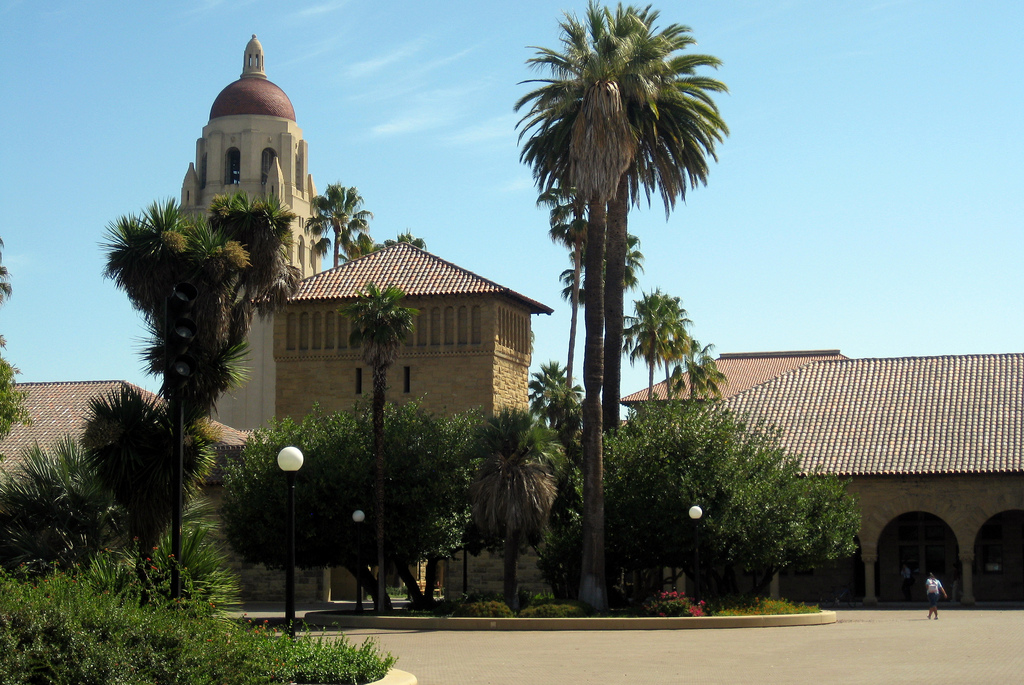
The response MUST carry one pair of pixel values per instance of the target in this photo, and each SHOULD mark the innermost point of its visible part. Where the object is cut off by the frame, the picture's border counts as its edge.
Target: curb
(396, 677)
(327, 619)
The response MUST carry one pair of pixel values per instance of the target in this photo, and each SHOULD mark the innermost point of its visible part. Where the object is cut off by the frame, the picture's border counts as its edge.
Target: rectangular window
(407, 379)
(359, 381)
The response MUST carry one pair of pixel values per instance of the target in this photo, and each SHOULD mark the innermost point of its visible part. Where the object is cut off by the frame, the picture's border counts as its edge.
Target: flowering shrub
(673, 604)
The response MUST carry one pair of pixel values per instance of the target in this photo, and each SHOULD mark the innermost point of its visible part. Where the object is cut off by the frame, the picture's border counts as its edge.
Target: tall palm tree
(238, 262)
(620, 100)
(568, 228)
(677, 126)
(634, 267)
(515, 485)
(338, 213)
(656, 332)
(380, 324)
(407, 237)
(697, 372)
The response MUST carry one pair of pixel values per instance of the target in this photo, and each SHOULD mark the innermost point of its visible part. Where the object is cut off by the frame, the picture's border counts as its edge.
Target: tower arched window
(202, 171)
(232, 167)
(266, 164)
(299, 171)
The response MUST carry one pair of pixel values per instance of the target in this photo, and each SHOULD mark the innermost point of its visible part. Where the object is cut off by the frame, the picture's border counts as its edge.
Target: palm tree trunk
(650, 381)
(511, 568)
(577, 270)
(614, 291)
(337, 247)
(592, 578)
(379, 389)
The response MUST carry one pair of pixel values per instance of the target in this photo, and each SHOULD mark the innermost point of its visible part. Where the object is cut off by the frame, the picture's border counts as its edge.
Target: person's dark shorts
(933, 599)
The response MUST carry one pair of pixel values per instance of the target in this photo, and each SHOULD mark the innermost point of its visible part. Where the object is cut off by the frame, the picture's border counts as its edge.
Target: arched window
(421, 330)
(293, 333)
(232, 167)
(449, 325)
(318, 333)
(435, 326)
(329, 331)
(299, 160)
(202, 171)
(266, 164)
(302, 251)
(475, 325)
(463, 327)
(304, 331)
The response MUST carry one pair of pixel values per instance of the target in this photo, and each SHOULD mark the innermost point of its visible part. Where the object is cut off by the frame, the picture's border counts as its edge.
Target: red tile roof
(747, 369)
(911, 415)
(59, 409)
(415, 271)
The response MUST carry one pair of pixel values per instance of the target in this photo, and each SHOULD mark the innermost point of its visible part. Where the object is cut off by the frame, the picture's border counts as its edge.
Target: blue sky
(869, 198)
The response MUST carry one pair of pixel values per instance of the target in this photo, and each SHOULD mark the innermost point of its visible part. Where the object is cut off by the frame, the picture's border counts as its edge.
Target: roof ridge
(781, 353)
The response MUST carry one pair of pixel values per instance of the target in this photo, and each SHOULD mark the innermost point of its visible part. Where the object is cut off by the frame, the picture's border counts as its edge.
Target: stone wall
(485, 574)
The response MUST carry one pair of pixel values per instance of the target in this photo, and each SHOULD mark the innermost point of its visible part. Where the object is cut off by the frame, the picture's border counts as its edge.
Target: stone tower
(252, 144)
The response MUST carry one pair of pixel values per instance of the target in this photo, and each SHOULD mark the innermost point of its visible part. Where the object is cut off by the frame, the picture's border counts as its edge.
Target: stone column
(870, 600)
(967, 577)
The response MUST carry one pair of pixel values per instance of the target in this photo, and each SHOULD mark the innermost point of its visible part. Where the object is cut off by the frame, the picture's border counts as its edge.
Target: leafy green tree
(429, 467)
(380, 325)
(515, 486)
(338, 213)
(12, 401)
(761, 513)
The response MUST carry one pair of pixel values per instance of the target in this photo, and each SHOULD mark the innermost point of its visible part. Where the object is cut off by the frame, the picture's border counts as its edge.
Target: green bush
(58, 629)
(557, 608)
(745, 605)
(491, 609)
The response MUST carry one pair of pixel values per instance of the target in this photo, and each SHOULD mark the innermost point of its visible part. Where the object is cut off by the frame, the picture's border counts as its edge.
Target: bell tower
(253, 144)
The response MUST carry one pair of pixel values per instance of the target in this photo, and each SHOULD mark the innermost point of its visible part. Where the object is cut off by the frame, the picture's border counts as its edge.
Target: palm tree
(620, 101)
(515, 485)
(338, 213)
(634, 267)
(237, 260)
(407, 237)
(129, 447)
(558, 404)
(569, 229)
(380, 324)
(698, 371)
(656, 332)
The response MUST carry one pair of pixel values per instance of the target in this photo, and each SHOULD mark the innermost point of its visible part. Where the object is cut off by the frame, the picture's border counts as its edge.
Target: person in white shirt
(933, 587)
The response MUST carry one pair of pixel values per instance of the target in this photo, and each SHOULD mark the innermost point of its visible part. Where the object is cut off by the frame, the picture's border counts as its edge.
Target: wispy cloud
(377, 64)
(517, 185)
(498, 128)
(322, 8)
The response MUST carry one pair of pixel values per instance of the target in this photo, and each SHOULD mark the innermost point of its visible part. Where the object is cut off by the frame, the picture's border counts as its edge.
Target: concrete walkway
(894, 645)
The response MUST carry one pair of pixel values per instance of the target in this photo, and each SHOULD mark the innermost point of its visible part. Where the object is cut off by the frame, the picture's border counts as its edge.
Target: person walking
(908, 581)
(933, 586)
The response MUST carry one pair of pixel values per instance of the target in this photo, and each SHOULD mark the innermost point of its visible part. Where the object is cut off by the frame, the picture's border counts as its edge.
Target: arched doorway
(922, 541)
(998, 568)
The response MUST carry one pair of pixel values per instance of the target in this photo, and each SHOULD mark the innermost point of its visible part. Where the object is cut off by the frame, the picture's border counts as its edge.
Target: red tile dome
(252, 96)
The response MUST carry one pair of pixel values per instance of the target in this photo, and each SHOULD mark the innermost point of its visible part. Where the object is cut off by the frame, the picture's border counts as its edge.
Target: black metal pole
(696, 560)
(289, 583)
(178, 413)
(359, 567)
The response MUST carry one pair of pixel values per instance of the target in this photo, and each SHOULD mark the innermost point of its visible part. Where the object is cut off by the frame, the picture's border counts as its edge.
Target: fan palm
(407, 237)
(655, 332)
(697, 371)
(596, 119)
(131, 451)
(379, 324)
(338, 213)
(5, 280)
(568, 228)
(634, 267)
(556, 402)
(515, 486)
(54, 510)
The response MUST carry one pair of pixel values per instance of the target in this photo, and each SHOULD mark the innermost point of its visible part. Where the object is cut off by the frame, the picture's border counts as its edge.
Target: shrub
(492, 609)
(58, 629)
(672, 604)
(557, 608)
(745, 605)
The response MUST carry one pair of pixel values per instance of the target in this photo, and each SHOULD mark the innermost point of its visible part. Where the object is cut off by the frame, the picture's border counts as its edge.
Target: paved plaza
(982, 645)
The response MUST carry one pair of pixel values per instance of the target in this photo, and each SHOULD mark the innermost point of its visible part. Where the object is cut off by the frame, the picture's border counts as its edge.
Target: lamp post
(358, 516)
(695, 513)
(290, 461)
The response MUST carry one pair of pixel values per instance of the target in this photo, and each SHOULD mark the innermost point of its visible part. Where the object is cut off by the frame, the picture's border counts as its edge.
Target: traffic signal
(179, 332)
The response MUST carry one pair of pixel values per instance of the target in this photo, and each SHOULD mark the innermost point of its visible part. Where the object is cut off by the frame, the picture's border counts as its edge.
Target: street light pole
(290, 461)
(358, 516)
(696, 513)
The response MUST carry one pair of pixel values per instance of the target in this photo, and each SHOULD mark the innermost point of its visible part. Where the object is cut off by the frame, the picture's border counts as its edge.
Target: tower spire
(252, 63)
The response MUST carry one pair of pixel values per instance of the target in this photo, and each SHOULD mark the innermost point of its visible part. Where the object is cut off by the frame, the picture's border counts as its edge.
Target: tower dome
(252, 93)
